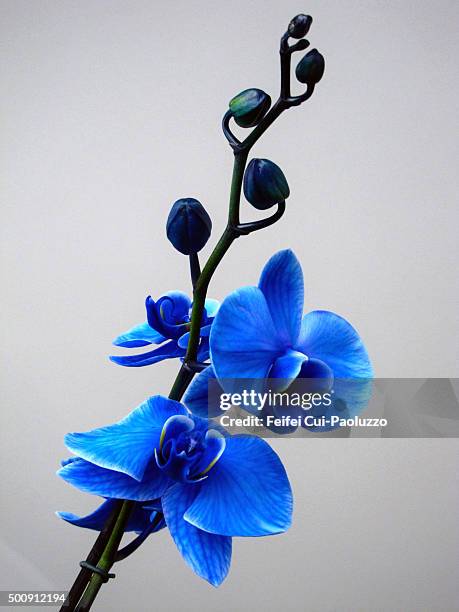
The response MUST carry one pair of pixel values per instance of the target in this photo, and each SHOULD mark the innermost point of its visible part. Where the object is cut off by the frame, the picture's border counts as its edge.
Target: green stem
(181, 382)
(200, 287)
(195, 268)
(107, 559)
(240, 160)
(84, 575)
(264, 124)
(184, 376)
(222, 246)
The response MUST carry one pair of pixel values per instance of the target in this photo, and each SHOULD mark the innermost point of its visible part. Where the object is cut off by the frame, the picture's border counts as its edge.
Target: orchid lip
(186, 452)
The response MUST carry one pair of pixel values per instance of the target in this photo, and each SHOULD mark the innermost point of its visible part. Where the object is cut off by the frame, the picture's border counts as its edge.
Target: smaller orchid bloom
(260, 332)
(168, 324)
(212, 486)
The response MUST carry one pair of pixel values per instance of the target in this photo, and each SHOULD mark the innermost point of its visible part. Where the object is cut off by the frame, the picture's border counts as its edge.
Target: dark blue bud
(265, 184)
(249, 107)
(188, 226)
(299, 26)
(311, 68)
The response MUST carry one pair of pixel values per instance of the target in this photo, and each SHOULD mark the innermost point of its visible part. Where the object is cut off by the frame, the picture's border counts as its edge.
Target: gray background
(111, 111)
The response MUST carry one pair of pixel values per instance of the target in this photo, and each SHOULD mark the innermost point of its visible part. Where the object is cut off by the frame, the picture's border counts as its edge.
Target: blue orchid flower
(260, 332)
(168, 323)
(212, 486)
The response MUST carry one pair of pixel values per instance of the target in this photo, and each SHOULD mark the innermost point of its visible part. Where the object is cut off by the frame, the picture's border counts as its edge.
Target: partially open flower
(168, 324)
(188, 226)
(265, 184)
(311, 68)
(249, 107)
(299, 26)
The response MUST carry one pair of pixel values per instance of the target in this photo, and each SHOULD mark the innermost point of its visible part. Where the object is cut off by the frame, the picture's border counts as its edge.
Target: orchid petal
(288, 366)
(183, 340)
(207, 554)
(96, 480)
(196, 397)
(169, 350)
(174, 306)
(169, 314)
(282, 285)
(126, 446)
(247, 492)
(211, 307)
(203, 350)
(139, 335)
(243, 339)
(350, 398)
(330, 338)
(139, 518)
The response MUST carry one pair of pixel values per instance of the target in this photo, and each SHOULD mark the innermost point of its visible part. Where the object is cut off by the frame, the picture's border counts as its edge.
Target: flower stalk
(105, 551)
(107, 559)
(94, 555)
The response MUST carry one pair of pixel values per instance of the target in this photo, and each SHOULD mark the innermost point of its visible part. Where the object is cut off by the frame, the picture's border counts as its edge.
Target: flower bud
(311, 68)
(299, 26)
(265, 184)
(249, 107)
(188, 226)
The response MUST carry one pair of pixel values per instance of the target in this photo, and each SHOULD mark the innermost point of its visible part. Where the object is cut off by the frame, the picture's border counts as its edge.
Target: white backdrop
(111, 112)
